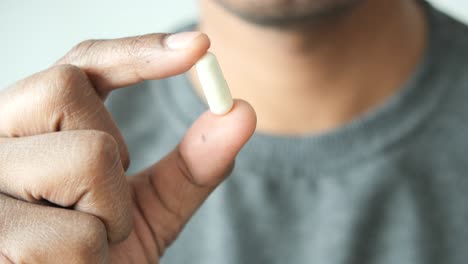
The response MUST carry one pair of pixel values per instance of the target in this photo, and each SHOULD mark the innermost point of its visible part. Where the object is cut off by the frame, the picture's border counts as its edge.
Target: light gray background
(35, 33)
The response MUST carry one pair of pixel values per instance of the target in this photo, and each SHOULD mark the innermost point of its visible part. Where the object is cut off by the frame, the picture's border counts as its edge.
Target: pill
(214, 85)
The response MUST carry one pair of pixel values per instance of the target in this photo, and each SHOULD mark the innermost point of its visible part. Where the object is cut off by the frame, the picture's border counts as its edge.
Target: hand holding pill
(98, 214)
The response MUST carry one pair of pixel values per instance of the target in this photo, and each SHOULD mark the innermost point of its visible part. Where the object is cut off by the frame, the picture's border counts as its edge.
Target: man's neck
(316, 79)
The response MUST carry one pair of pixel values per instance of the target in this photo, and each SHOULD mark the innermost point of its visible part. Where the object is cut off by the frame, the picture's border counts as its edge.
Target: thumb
(169, 192)
(210, 146)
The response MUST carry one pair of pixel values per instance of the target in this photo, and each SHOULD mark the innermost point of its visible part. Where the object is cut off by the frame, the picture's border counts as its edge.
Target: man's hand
(64, 194)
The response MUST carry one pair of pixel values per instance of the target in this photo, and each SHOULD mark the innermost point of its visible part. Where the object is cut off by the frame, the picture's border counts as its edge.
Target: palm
(132, 250)
(140, 246)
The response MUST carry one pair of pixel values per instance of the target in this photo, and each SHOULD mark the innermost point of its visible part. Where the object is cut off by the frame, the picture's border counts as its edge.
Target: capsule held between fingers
(215, 88)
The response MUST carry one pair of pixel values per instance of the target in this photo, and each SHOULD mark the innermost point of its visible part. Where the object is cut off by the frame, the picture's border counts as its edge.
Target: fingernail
(181, 40)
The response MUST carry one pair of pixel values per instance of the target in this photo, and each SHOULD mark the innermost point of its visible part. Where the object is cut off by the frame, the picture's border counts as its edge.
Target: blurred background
(34, 34)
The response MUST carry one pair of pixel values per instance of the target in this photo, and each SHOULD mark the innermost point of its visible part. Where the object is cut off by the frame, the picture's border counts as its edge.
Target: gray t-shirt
(389, 187)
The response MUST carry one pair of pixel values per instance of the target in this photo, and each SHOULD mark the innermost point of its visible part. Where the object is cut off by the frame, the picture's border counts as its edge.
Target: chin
(285, 13)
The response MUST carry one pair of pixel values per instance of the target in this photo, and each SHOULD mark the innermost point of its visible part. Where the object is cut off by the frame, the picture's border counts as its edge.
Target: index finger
(111, 64)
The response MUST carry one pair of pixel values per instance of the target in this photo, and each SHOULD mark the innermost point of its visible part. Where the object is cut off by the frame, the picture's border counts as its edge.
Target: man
(359, 154)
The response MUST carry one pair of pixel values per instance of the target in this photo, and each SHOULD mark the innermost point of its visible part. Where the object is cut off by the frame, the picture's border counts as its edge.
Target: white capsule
(214, 85)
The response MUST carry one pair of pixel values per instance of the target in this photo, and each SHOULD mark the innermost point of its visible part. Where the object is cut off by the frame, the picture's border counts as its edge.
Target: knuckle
(64, 80)
(66, 73)
(91, 240)
(58, 88)
(77, 51)
(102, 152)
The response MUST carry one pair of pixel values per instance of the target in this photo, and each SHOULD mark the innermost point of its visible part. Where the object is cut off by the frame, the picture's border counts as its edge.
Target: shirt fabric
(389, 187)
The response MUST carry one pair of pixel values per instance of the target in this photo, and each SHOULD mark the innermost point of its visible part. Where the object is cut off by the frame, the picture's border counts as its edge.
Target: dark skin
(63, 187)
(64, 194)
